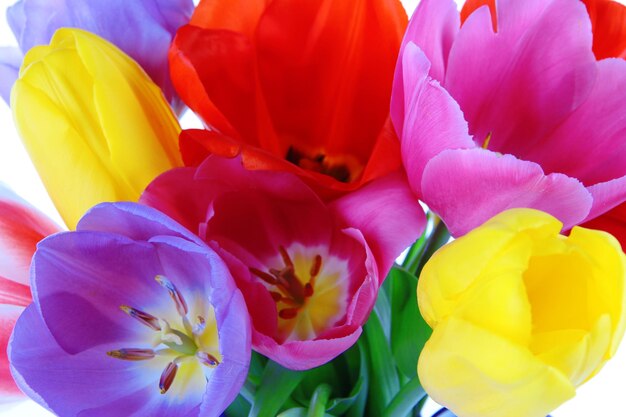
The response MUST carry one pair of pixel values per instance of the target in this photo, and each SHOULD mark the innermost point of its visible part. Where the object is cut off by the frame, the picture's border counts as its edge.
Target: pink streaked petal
(432, 120)
(9, 392)
(21, 227)
(387, 213)
(306, 354)
(590, 144)
(468, 187)
(520, 83)
(14, 293)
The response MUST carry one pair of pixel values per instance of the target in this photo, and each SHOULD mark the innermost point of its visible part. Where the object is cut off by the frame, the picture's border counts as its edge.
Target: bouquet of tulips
(259, 266)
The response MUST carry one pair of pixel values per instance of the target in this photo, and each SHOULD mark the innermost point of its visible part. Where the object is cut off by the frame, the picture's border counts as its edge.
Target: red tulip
(296, 85)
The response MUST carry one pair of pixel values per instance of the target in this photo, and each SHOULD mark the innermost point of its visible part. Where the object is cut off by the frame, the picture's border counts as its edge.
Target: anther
(276, 296)
(132, 354)
(308, 289)
(207, 359)
(288, 313)
(167, 377)
(200, 325)
(316, 267)
(285, 256)
(144, 318)
(181, 305)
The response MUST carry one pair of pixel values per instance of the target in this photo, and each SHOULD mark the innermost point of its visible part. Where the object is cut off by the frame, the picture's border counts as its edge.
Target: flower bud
(521, 315)
(96, 127)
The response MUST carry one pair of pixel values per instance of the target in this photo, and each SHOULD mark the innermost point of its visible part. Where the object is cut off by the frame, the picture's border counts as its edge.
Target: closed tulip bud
(521, 315)
(96, 127)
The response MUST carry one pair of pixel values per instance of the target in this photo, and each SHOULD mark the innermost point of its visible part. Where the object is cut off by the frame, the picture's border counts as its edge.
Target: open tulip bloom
(294, 257)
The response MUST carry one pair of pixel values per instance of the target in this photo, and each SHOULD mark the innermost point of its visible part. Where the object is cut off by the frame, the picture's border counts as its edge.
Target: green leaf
(320, 397)
(357, 358)
(406, 399)
(238, 408)
(297, 412)
(277, 384)
(384, 383)
(409, 331)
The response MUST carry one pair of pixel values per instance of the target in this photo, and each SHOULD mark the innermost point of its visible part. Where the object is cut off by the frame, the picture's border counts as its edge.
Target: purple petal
(10, 60)
(142, 28)
(468, 187)
(87, 384)
(519, 84)
(135, 221)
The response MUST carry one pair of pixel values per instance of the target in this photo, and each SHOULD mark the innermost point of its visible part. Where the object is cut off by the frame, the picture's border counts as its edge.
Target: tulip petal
(312, 72)
(240, 16)
(476, 373)
(608, 20)
(471, 5)
(110, 386)
(433, 27)
(387, 214)
(433, 121)
(528, 77)
(142, 29)
(588, 145)
(10, 59)
(21, 227)
(613, 221)
(467, 187)
(80, 143)
(8, 390)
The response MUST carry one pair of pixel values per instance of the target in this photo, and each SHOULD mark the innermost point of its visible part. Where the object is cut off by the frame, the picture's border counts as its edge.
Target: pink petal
(432, 120)
(520, 83)
(302, 355)
(468, 187)
(8, 390)
(606, 196)
(21, 227)
(590, 144)
(433, 27)
(388, 215)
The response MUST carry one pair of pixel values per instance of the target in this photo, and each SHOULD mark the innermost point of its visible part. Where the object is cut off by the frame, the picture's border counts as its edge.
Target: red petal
(608, 19)
(214, 74)
(326, 70)
(239, 16)
(613, 221)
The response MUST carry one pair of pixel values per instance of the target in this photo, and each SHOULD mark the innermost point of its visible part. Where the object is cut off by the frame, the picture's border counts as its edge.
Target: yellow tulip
(96, 127)
(521, 315)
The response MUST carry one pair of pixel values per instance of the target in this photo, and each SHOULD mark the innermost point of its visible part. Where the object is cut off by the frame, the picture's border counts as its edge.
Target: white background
(603, 395)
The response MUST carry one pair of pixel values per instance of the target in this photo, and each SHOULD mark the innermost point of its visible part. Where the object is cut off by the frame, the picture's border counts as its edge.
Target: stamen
(200, 325)
(487, 140)
(144, 318)
(264, 276)
(167, 377)
(288, 313)
(132, 354)
(308, 289)
(285, 256)
(181, 305)
(316, 267)
(276, 296)
(207, 359)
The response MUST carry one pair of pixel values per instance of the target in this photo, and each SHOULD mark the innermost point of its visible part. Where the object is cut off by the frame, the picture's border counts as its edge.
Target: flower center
(319, 163)
(190, 342)
(310, 293)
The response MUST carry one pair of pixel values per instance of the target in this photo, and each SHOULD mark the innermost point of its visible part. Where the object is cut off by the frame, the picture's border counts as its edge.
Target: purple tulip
(143, 29)
(132, 315)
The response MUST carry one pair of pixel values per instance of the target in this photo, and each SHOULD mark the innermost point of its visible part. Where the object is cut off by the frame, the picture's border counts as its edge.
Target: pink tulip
(519, 117)
(309, 271)
(21, 227)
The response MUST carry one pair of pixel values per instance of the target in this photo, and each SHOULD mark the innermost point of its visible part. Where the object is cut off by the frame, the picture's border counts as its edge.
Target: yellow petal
(476, 373)
(96, 127)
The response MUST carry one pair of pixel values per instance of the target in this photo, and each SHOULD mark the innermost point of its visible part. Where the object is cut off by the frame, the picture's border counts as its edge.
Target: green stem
(439, 237)
(319, 400)
(406, 399)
